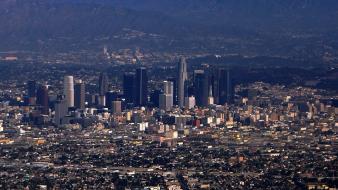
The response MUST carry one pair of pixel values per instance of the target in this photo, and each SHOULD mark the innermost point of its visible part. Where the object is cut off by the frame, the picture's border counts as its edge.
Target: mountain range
(32, 24)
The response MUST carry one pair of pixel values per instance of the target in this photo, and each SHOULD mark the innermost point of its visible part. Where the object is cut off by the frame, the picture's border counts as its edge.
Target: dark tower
(226, 87)
(201, 87)
(128, 87)
(31, 95)
(42, 99)
(80, 95)
(141, 87)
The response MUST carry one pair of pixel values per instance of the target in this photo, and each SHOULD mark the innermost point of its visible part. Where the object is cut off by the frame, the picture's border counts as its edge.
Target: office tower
(141, 87)
(181, 81)
(166, 99)
(222, 85)
(174, 81)
(128, 87)
(61, 110)
(117, 107)
(226, 88)
(68, 87)
(201, 87)
(103, 84)
(31, 88)
(80, 95)
(189, 102)
(42, 99)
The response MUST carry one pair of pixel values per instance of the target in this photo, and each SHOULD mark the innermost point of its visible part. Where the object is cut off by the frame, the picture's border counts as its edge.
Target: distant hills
(41, 24)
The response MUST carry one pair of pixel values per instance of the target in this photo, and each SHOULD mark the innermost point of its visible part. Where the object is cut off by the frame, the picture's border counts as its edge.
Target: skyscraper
(128, 86)
(80, 96)
(61, 110)
(31, 88)
(201, 87)
(226, 87)
(68, 88)
(42, 99)
(103, 84)
(181, 83)
(174, 81)
(166, 99)
(141, 87)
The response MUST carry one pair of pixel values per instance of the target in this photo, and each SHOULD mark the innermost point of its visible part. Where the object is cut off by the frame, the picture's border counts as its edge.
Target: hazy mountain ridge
(29, 21)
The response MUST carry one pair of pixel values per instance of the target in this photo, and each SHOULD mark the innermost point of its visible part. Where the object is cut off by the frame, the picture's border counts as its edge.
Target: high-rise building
(226, 87)
(181, 81)
(61, 110)
(222, 86)
(117, 107)
(141, 87)
(201, 87)
(31, 88)
(80, 95)
(174, 81)
(68, 87)
(166, 99)
(42, 99)
(128, 87)
(103, 84)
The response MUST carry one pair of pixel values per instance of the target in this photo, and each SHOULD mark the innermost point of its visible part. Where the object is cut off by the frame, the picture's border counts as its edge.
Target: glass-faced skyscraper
(141, 87)
(224, 88)
(201, 87)
(42, 99)
(31, 88)
(80, 95)
(181, 81)
(128, 86)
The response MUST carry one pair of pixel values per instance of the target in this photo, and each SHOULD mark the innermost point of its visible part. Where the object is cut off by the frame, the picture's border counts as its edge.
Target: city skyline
(169, 94)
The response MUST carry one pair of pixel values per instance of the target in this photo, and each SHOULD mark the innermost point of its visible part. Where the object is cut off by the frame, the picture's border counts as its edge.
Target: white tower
(68, 87)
